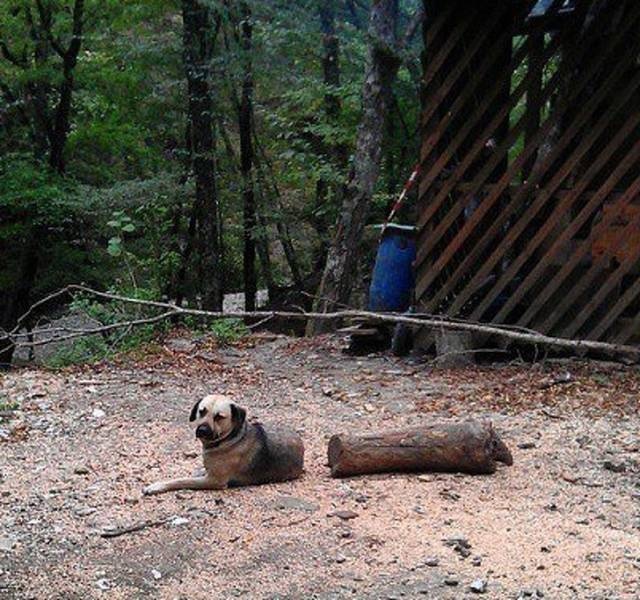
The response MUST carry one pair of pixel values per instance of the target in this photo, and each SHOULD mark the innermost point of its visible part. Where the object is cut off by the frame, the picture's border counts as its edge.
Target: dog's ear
(194, 411)
(238, 415)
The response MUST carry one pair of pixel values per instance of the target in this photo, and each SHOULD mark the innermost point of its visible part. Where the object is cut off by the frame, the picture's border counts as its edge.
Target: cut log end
(471, 447)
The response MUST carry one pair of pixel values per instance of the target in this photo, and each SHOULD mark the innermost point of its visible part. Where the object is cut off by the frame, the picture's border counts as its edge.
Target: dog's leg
(188, 483)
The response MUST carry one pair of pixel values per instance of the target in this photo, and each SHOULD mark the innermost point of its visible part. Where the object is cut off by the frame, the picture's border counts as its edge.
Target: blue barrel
(392, 282)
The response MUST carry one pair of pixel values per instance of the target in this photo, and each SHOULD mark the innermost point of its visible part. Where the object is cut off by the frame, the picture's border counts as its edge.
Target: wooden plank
(441, 91)
(609, 285)
(551, 222)
(433, 135)
(563, 207)
(426, 244)
(632, 328)
(569, 265)
(452, 39)
(430, 140)
(584, 114)
(618, 308)
(474, 153)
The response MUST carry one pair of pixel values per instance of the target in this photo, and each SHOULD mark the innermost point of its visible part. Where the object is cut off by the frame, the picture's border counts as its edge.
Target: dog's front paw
(153, 489)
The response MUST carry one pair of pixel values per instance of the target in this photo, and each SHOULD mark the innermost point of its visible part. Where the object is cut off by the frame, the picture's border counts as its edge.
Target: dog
(235, 452)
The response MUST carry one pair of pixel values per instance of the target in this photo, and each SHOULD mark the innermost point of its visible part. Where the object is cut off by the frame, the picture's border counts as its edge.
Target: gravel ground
(78, 446)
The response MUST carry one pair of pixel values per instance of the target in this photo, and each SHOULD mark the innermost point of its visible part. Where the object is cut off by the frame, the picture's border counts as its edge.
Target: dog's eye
(203, 412)
(218, 417)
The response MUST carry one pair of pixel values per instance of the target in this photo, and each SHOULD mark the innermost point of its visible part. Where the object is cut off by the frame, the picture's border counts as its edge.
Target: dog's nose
(203, 431)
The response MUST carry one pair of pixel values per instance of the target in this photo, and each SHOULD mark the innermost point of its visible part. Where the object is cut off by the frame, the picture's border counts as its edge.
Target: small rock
(103, 584)
(156, 574)
(345, 515)
(526, 445)
(6, 543)
(432, 561)
(460, 545)
(340, 559)
(293, 503)
(131, 500)
(180, 345)
(425, 478)
(462, 542)
(177, 521)
(479, 586)
(451, 581)
(98, 413)
(81, 470)
(190, 454)
(85, 511)
(614, 467)
(450, 495)
(595, 557)
(476, 561)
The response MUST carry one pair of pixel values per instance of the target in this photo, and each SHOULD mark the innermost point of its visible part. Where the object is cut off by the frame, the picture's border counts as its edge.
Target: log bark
(470, 447)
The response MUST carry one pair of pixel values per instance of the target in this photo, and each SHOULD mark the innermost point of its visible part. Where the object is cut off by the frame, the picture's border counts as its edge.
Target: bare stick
(531, 337)
(118, 531)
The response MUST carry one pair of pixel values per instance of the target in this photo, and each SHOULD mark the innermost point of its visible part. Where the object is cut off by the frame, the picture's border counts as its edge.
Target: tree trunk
(198, 53)
(245, 118)
(61, 124)
(284, 236)
(470, 447)
(342, 259)
(19, 300)
(332, 108)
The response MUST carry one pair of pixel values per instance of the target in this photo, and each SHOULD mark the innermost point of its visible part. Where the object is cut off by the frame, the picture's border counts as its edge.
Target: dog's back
(277, 454)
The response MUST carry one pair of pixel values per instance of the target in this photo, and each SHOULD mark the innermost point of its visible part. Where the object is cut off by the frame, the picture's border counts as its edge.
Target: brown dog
(235, 452)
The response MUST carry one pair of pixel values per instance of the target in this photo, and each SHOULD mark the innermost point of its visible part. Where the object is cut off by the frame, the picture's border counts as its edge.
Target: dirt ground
(78, 446)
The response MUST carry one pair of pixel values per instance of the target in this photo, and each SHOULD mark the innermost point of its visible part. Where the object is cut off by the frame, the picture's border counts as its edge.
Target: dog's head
(217, 418)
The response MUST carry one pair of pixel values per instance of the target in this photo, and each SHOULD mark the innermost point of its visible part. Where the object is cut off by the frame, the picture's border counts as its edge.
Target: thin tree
(245, 119)
(382, 67)
(198, 41)
(336, 152)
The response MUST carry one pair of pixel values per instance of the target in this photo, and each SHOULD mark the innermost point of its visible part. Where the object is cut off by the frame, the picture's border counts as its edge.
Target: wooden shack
(529, 192)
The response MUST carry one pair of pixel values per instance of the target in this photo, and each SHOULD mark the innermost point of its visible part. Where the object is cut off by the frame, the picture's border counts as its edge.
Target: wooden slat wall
(529, 195)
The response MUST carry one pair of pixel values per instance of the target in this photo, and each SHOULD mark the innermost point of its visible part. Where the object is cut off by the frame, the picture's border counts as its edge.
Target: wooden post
(470, 447)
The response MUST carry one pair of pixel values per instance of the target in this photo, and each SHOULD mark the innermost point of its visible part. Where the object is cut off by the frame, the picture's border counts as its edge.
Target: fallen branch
(516, 335)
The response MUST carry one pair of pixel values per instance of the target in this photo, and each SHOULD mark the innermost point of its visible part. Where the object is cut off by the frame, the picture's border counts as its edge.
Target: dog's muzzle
(203, 431)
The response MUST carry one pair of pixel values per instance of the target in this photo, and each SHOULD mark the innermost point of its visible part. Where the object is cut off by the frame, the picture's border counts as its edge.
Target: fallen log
(470, 447)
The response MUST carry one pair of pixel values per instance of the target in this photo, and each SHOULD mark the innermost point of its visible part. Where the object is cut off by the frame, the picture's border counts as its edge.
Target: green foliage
(86, 350)
(7, 405)
(119, 218)
(227, 331)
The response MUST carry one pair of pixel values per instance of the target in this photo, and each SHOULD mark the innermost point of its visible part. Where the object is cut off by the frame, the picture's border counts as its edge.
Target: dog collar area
(227, 442)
